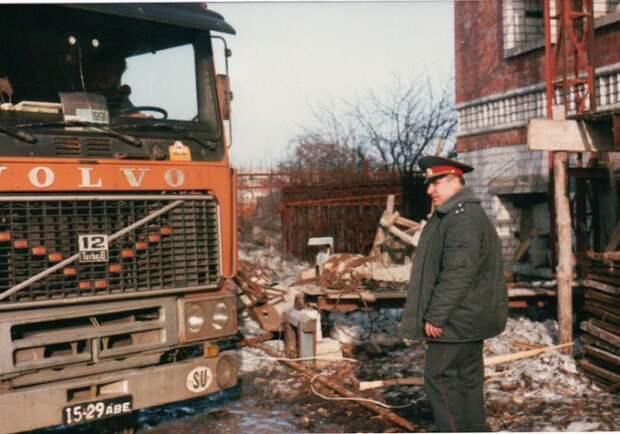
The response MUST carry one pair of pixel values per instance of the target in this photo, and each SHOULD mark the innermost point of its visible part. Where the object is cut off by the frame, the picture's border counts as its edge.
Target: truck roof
(190, 15)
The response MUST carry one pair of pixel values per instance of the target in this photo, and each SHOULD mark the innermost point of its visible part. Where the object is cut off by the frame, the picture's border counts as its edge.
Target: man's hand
(432, 331)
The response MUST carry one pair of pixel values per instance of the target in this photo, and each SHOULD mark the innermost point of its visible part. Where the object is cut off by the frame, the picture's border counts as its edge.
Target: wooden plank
(414, 381)
(408, 239)
(565, 249)
(488, 361)
(390, 204)
(388, 220)
(592, 294)
(581, 228)
(611, 328)
(369, 296)
(525, 244)
(602, 355)
(512, 357)
(605, 257)
(530, 292)
(587, 339)
(609, 308)
(610, 269)
(604, 314)
(568, 135)
(609, 289)
(605, 278)
(608, 376)
(596, 331)
(409, 223)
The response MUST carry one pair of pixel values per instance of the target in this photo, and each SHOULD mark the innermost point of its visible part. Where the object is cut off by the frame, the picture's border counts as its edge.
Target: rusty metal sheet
(268, 317)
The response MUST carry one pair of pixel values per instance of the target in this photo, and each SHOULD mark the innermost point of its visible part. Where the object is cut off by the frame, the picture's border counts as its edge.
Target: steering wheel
(145, 108)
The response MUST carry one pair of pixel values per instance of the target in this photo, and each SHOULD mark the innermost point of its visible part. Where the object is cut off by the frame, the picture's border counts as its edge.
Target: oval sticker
(199, 379)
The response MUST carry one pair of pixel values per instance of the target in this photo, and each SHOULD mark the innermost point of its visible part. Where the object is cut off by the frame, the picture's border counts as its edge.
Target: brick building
(500, 85)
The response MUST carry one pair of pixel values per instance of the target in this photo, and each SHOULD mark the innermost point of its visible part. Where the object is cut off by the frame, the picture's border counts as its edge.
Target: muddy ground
(275, 400)
(545, 394)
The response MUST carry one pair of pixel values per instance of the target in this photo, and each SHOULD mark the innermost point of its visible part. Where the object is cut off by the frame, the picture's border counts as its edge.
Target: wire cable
(302, 359)
(320, 395)
(338, 398)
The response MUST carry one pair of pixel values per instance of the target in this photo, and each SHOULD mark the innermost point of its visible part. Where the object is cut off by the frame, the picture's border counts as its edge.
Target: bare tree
(391, 129)
(405, 121)
(330, 145)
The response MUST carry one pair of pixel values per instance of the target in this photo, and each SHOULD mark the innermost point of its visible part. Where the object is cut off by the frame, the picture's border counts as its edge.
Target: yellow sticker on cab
(179, 152)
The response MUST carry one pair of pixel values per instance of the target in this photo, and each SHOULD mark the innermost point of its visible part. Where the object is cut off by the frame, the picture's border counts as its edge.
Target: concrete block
(333, 357)
(327, 345)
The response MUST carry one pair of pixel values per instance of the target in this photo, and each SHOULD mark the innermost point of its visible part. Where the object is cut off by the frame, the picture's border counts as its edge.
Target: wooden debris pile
(257, 284)
(602, 342)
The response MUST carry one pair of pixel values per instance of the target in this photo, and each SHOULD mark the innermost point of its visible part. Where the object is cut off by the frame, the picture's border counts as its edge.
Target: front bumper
(42, 406)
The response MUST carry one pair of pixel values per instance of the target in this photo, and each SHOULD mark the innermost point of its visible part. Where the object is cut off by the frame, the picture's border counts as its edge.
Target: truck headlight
(206, 317)
(226, 372)
(195, 318)
(221, 316)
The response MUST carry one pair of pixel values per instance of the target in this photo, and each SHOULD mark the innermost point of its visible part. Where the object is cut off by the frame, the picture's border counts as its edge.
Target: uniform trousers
(453, 381)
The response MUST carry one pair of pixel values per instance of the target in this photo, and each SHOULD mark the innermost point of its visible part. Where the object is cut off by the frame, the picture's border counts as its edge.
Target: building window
(524, 22)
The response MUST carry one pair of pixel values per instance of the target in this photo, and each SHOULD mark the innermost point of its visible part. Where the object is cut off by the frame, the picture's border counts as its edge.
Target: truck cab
(117, 205)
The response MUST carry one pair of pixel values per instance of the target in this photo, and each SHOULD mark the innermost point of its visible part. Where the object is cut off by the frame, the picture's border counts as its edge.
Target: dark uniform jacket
(457, 281)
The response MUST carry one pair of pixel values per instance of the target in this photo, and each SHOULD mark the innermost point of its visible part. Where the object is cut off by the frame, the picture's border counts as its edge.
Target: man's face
(442, 189)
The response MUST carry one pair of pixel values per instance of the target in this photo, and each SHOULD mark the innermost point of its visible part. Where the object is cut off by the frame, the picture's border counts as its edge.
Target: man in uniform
(457, 296)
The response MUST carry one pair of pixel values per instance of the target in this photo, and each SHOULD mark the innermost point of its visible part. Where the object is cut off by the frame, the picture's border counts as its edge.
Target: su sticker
(199, 379)
(179, 152)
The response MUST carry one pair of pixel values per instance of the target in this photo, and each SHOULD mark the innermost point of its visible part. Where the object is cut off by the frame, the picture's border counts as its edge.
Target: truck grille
(177, 249)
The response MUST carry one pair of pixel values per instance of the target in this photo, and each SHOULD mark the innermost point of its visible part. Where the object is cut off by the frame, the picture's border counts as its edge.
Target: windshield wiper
(187, 134)
(130, 140)
(21, 135)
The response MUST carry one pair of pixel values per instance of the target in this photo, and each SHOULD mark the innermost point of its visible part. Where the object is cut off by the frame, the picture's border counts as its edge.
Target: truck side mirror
(224, 95)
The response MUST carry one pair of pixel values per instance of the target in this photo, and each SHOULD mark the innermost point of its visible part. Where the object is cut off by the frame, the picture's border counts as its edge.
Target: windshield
(166, 79)
(154, 85)
(48, 53)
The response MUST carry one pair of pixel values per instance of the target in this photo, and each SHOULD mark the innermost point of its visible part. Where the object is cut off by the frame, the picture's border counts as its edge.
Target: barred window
(524, 22)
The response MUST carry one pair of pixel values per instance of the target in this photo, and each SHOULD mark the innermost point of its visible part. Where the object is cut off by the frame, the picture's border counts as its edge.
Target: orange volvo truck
(117, 229)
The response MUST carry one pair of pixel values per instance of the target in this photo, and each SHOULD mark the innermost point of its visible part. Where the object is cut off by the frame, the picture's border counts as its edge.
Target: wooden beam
(605, 257)
(488, 361)
(414, 381)
(525, 244)
(512, 357)
(406, 222)
(602, 355)
(601, 333)
(609, 376)
(390, 204)
(565, 250)
(568, 135)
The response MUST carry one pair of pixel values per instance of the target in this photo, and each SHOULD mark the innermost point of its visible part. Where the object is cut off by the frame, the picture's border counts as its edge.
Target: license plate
(95, 410)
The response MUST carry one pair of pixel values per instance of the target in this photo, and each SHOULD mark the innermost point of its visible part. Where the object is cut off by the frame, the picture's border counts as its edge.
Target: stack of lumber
(602, 341)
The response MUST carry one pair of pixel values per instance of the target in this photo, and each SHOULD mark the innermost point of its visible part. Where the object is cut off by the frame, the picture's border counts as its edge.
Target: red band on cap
(443, 170)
